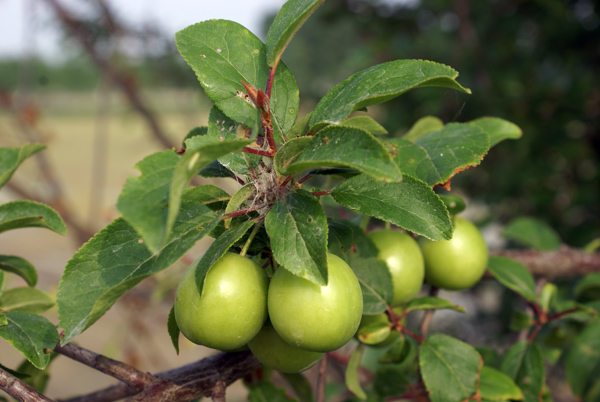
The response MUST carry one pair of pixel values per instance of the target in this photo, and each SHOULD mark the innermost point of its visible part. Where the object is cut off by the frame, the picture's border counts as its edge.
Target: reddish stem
(534, 333)
(415, 336)
(243, 211)
(304, 178)
(286, 181)
(321, 193)
(561, 314)
(269, 86)
(261, 152)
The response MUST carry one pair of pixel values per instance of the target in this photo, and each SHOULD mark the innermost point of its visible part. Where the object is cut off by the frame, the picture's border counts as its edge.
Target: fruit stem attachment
(249, 241)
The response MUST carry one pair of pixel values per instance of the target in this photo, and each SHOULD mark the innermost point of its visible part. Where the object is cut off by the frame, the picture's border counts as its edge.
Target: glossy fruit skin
(405, 262)
(312, 317)
(458, 263)
(232, 308)
(275, 353)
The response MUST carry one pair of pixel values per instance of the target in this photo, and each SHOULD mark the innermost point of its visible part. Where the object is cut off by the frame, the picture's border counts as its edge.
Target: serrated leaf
(26, 214)
(454, 204)
(432, 303)
(532, 232)
(423, 126)
(115, 260)
(390, 380)
(20, 267)
(494, 385)
(288, 153)
(288, 20)
(437, 156)
(11, 158)
(351, 374)
(340, 146)
(217, 250)
(215, 169)
(375, 282)
(450, 368)
(297, 227)
(524, 364)
(300, 385)
(30, 334)
(26, 299)
(222, 54)
(173, 329)
(498, 129)
(237, 200)
(267, 392)
(365, 123)
(381, 83)
(583, 357)
(410, 204)
(212, 196)
(300, 128)
(194, 132)
(513, 275)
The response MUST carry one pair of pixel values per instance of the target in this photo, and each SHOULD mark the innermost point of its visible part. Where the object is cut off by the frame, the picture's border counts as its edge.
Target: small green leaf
(547, 297)
(390, 380)
(374, 333)
(410, 204)
(173, 329)
(289, 19)
(340, 146)
(520, 321)
(375, 282)
(11, 158)
(401, 352)
(301, 128)
(267, 392)
(115, 260)
(212, 196)
(432, 303)
(237, 200)
(288, 153)
(588, 284)
(423, 126)
(25, 214)
(494, 385)
(381, 83)
(437, 156)
(454, 204)
(3, 320)
(365, 123)
(19, 266)
(582, 359)
(450, 368)
(498, 129)
(534, 233)
(217, 250)
(26, 299)
(297, 226)
(194, 132)
(351, 375)
(300, 385)
(30, 334)
(513, 275)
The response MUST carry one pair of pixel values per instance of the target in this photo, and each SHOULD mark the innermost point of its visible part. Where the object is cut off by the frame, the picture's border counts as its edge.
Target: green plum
(232, 307)
(312, 317)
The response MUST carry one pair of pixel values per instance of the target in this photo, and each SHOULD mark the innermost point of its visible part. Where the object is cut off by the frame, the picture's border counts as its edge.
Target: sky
(29, 24)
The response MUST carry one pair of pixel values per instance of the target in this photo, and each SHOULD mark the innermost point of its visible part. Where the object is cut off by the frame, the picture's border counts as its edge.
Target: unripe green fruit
(313, 317)
(458, 263)
(232, 307)
(404, 260)
(275, 353)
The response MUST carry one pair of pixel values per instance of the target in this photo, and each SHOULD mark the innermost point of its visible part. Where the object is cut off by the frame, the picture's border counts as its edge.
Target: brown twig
(19, 390)
(218, 393)
(322, 379)
(428, 316)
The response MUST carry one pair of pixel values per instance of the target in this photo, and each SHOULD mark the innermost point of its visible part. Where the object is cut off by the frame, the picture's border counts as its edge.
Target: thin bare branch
(322, 379)
(19, 390)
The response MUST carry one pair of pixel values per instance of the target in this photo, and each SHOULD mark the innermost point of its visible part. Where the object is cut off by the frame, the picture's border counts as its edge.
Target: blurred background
(101, 83)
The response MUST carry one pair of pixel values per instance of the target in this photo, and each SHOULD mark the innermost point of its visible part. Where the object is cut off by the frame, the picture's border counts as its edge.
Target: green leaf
(222, 54)
(401, 352)
(589, 283)
(26, 299)
(351, 375)
(423, 126)
(217, 250)
(583, 357)
(1, 282)
(437, 156)
(173, 329)
(267, 392)
(336, 146)
(494, 385)
(379, 84)
(30, 334)
(199, 154)
(297, 226)
(289, 19)
(215, 169)
(288, 153)
(3, 320)
(375, 282)
(454, 204)
(212, 196)
(390, 380)
(498, 129)
(410, 204)
(143, 198)
(488, 354)
(548, 296)
(193, 132)
(524, 363)
(432, 303)
(344, 232)
(532, 232)
(25, 214)
(513, 275)
(365, 123)
(11, 158)
(300, 385)
(237, 200)
(115, 260)
(450, 368)
(19, 266)
(520, 321)
(34, 376)
(374, 333)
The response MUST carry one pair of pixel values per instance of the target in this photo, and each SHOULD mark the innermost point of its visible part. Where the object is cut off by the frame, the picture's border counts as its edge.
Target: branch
(566, 262)
(19, 390)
